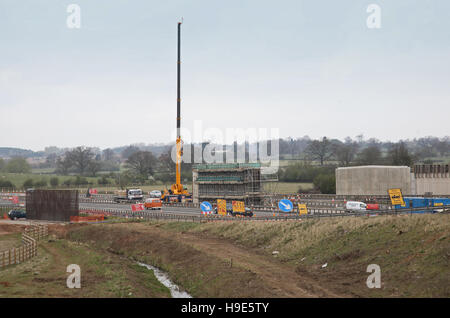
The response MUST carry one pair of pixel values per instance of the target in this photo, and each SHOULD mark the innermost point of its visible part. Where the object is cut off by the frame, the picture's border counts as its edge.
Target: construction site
(237, 181)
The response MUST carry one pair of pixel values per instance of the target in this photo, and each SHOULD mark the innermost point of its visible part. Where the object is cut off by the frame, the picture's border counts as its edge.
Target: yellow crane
(177, 189)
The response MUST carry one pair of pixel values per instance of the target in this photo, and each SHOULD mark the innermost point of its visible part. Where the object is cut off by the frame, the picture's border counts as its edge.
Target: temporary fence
(28, 249)
(145, 215)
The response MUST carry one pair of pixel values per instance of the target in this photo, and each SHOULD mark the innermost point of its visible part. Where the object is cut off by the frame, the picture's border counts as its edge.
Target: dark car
(17, 214)
(248, 211)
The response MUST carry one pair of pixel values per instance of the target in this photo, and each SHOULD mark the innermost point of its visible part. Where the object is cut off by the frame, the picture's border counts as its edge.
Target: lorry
(128, 196)
(432, 205)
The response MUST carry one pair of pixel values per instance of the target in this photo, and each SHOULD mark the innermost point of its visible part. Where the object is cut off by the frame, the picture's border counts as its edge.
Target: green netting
(227, 166)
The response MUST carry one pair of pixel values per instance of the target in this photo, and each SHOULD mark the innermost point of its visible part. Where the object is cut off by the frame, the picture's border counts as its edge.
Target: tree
(17, 165)
(326, 183)
(2, 164)
(319, 150)
(63, 165)
(370, 155)
(399, 155)
(108, 154)
(127, 152)
(80, 157)
(94, 167)
(345, 152)
(141, 163)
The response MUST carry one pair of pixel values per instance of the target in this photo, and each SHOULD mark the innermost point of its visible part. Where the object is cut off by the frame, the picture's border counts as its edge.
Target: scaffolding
(239, 181)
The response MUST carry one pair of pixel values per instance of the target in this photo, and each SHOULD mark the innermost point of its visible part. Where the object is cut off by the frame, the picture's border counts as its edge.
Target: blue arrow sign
(206, 206)
(285, 205)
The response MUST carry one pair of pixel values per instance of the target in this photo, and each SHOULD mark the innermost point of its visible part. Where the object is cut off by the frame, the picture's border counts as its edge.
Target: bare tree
(320, 150)
(370, 155)
(399, 155)
(63, 165)
(345, 152)
(142, 163)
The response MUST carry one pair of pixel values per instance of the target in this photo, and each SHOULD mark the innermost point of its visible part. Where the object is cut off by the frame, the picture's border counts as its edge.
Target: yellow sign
(221, 207)
(438, 204)
(396, 197)
(238, 206)
(302, 209)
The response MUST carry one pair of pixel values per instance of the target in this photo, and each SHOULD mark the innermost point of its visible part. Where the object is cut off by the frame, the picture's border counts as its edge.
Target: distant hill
(7, 152)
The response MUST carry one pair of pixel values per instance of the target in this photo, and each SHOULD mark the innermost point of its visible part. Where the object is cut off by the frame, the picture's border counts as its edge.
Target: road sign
(302, 209)
(137, 207)
(206, 207)
(93, 191)
(221, 207)
(396, 197)
(285, 205)
(238, 206)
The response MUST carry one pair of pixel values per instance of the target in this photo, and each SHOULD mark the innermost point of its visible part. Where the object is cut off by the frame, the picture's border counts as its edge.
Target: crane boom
(177, 190)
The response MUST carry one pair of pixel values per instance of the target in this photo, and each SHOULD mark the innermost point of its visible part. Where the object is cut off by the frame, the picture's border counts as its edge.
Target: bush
(68, 182)
(80, 181)
(302, 172)
(54, 181)
(41, 183)
(6, 184)
(103, 180)
(325, 183)
(28, 183)
(17, 165)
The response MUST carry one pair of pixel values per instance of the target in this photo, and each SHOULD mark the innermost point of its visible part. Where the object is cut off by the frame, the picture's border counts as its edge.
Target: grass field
(287, 187)
(102, 274)
(18, 179)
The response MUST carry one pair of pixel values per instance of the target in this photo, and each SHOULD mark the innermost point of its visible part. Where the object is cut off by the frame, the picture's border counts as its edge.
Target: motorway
(165, 209)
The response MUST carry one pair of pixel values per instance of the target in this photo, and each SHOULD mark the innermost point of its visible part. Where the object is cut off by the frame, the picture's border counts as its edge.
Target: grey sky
(307, 67)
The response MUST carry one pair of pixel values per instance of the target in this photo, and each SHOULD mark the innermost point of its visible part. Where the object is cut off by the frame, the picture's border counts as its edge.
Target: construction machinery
(177, 192)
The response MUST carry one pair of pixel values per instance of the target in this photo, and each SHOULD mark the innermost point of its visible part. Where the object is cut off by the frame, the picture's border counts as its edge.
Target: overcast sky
(306, 67)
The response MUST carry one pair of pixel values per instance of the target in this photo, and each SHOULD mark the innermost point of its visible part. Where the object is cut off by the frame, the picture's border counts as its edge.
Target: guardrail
(145, 215)
(18, 255)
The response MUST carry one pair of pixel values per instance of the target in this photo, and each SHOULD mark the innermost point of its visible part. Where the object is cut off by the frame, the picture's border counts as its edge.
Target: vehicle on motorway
(153, 203)
(155, 194)
(17, 214)
(432, 205)
(352, 206)
(248, 211)
(129, 196)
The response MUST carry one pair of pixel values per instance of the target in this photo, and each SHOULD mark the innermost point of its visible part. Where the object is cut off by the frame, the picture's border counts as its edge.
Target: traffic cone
(5, 216)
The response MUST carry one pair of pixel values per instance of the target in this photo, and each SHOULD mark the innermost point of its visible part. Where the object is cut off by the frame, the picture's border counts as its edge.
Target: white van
(155, 194)
(355, 206)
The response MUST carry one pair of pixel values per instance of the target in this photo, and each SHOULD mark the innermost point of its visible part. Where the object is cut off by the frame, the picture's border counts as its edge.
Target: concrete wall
(437, 186)
(434, 178)
(372, 180)
(194, 187)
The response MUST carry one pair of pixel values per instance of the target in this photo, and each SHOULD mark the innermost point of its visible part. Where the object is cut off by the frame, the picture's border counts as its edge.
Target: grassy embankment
(102, 274)
(235, 259)
(412, 251)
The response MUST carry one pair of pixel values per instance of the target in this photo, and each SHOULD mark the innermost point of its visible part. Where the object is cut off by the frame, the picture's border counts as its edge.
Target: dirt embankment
(314, 258)
(317, 258)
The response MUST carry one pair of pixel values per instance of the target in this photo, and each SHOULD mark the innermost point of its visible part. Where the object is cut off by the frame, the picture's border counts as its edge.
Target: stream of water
(165, 280)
